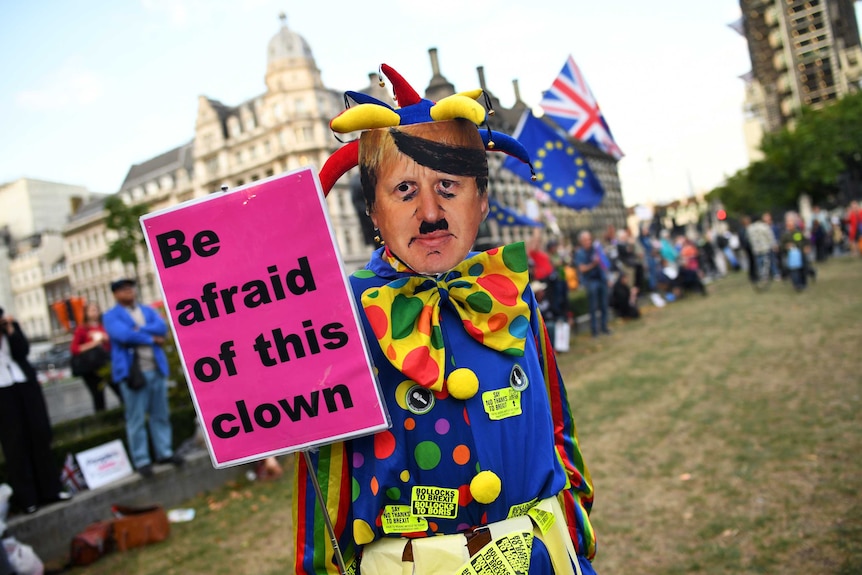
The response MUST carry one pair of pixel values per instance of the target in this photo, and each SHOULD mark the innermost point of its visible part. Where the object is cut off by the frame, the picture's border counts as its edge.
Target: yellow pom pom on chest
(486, 487)
(462, 383)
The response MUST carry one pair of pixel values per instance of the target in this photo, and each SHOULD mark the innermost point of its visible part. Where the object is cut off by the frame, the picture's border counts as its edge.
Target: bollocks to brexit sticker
(434, 502)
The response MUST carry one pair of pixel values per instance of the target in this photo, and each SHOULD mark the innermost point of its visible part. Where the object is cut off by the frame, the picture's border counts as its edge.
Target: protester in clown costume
(481, 470)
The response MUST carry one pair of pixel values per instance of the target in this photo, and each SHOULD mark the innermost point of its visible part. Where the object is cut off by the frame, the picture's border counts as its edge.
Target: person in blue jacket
(137, 329)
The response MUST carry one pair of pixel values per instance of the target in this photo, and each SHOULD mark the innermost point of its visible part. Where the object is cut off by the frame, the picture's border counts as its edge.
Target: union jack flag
(71, 476)
(571, 104)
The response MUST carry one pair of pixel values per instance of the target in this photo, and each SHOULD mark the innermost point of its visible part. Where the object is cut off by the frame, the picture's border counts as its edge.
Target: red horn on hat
(338, 164)
(405, 95)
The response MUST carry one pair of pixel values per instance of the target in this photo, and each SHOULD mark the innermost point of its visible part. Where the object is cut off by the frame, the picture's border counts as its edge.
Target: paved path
(70, 399)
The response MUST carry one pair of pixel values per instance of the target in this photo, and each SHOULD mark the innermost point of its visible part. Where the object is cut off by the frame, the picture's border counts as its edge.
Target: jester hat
(370, 113)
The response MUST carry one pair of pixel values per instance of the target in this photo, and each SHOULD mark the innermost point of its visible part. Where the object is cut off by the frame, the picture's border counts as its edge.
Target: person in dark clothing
(5, 566)
(745, 244)
(795, 249)
(688, 280)
(631, 258)
(651, 258)
(676, 281)
(819, 239)
(622, 301)
(25, 429)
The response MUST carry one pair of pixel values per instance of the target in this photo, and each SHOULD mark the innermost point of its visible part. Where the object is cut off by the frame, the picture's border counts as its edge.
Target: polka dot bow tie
(485, 290)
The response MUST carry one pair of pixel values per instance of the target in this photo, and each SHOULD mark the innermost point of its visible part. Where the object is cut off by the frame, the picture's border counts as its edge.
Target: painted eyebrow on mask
(455, 160)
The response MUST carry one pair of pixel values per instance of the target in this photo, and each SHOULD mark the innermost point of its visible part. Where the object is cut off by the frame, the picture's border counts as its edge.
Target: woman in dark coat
(25, 430)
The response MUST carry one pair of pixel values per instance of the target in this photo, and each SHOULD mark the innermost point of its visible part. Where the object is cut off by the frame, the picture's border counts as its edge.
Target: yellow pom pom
(362, 532)
(462, 383)
(485, 487)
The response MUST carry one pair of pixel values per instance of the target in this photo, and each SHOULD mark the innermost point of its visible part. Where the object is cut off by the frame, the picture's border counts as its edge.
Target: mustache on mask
(428, 227)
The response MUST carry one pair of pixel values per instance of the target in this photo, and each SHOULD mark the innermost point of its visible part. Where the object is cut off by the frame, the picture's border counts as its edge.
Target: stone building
(29, 206)
(803, 53)
(85, 247)
(32, 213)
(34, 257)
(285, 128)
(6, 300)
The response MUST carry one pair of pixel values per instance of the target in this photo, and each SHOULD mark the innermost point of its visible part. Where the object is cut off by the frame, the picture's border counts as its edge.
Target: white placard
(104, 464)
(643, 213)
(531, 207)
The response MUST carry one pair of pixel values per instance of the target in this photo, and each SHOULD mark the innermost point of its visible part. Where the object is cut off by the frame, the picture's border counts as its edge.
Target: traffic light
(721, 215)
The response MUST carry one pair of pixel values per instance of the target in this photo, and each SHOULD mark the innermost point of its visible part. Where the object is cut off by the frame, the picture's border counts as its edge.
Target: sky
(90, 87)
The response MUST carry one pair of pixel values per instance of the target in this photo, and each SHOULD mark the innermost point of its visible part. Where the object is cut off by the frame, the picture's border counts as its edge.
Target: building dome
(287, 45)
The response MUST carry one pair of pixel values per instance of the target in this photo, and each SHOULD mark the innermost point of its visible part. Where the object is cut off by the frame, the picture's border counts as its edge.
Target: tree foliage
(124, 219)
(811, 158)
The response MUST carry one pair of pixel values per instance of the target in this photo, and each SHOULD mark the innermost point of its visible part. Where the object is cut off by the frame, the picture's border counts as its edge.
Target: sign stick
(331, 530)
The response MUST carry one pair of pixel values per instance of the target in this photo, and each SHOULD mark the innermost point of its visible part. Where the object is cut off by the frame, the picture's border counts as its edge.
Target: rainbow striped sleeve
(313, 550)
(577, 498)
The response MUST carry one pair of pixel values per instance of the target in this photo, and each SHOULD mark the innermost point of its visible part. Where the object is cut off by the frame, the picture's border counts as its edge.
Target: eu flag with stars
(507, 216)
(561, 171)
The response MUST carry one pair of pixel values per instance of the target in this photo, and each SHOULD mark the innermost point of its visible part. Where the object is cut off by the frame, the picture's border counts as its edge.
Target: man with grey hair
(594, 277)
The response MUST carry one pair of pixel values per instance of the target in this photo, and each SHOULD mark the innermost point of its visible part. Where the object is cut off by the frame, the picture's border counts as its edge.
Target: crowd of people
(618, 270)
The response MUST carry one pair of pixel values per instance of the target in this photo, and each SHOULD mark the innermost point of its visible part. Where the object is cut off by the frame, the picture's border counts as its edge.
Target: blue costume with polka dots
(466, 459)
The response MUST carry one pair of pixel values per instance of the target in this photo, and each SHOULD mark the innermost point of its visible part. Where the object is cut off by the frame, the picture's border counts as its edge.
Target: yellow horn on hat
(474, 94)
(461, 105)
(364, 117)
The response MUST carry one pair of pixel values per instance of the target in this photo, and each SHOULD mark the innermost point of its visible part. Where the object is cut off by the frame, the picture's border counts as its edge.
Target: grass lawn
(723, 435)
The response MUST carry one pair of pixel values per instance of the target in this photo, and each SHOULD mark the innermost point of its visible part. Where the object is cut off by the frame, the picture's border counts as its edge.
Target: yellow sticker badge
(434, 502)
(491, 560)
(521, 509)
(516, 548)
(544, 519)
(502, 403)
(398, 519)
(507, 555)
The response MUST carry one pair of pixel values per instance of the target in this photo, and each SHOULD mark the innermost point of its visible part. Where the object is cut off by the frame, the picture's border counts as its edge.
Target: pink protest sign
(261, 310)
